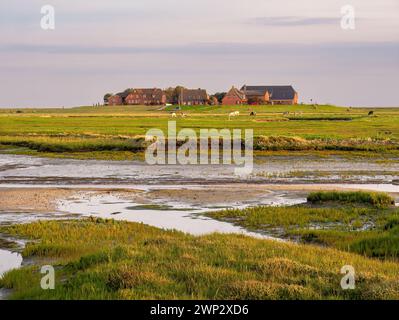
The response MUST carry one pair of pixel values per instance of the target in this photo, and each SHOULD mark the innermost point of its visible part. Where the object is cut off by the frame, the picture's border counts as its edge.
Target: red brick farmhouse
(234, 97)
(152, 96)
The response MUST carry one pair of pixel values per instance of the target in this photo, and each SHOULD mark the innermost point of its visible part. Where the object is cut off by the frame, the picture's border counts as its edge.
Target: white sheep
(234, 114)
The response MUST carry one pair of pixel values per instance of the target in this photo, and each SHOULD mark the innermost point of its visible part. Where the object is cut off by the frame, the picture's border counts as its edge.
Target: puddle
(371, 187)
(9, 260)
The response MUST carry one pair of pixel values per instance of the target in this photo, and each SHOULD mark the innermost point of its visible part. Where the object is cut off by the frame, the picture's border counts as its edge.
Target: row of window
(140, 101)
(144, 96)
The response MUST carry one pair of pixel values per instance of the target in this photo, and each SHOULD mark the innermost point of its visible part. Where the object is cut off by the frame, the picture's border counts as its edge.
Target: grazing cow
(234, 114)
(286, 113)
(253, 114)
(371, 113)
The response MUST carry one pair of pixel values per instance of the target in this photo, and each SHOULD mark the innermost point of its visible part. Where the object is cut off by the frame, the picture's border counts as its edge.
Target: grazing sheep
(234, 114)
(286, 113)
(173, 115)
(253, 114)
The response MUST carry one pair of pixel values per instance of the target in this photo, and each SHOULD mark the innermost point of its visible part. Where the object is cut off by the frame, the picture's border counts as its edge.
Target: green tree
(172, 94)
(106, 97)
(220, 96)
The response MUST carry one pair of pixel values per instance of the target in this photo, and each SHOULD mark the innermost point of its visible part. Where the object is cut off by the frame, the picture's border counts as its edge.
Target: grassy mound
(376, 199)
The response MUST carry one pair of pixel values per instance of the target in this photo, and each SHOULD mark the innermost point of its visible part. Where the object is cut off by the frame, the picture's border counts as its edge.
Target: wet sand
(46, 200)
(208, 195)
(32, 199)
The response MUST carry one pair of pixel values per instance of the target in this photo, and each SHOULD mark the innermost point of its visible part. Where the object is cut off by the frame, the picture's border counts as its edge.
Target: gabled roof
(194, 94)
(123, 94)
(275, 92)
(237, 93)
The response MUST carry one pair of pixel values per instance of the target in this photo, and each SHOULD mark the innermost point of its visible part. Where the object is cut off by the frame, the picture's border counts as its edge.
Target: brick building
(152, 96)
(145, 97)
(192, 97)
(115, 100)
(270, 94)
(234, 97)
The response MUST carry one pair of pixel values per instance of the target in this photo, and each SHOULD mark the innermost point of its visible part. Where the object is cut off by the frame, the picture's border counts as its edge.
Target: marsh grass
(103, 259)
(111, 129)
(364, 224)
(376, 199)
(67, 144)
(124, 148)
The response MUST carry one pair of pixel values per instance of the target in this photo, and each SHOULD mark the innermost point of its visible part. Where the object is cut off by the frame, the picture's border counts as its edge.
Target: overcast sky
(106, 46)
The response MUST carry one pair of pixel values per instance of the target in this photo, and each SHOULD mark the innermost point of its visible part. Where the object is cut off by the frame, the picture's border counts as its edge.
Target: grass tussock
(121, 260)
(376, 199)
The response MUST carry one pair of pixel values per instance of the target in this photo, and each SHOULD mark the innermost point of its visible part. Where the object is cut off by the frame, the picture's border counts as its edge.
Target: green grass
(364, 223)
(71, 144)
(376, 199)
(105, 259)
(96, 129)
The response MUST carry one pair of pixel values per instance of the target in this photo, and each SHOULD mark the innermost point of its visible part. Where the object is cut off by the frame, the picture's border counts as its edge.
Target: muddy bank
(198, 196)
(32, 199)
(47, 200)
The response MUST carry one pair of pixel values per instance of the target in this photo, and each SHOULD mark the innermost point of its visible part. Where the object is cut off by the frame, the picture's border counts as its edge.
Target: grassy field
(105, 259)
(362, 222)
(111, 129)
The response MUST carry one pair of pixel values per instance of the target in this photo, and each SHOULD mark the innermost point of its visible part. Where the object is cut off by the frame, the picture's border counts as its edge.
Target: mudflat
(32, 199)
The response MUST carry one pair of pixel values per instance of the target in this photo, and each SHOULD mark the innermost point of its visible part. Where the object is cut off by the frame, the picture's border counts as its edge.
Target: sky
(106, 46)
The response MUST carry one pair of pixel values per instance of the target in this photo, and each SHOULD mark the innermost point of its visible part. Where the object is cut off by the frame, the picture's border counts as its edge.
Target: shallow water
(9, 260)
(18, 169)
(181, 217)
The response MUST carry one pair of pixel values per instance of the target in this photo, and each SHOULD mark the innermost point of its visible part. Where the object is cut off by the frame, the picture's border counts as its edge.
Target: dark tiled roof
(123, 94)
(275, 92)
